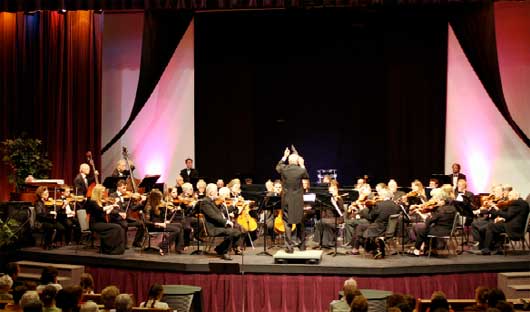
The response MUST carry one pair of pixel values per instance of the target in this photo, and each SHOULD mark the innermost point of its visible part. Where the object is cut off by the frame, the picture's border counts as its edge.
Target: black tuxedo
(450, 178)
(215, 223)
(80, 187)
(192, 178)
(293, 193)
(123, 174)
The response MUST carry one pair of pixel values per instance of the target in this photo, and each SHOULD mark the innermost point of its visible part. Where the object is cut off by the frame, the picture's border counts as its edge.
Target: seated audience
(87, 284)
(359, 304)
(12, 269)
(18, 292)
(350, 289)
(494, 296)
(49, 277)
(156, 292)
(89, 306)
(439, 303)
(30, 302)
(5, 285)
(481, 303)
(394, 300)
(47, 297)
(108, 297)
(69, 298)
(123, 303)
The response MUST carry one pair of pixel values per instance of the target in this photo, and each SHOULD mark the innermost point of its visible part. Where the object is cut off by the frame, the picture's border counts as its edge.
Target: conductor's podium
(306, 256)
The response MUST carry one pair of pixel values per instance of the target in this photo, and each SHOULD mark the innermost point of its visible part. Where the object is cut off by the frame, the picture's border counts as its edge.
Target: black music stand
(110, 183)
(268, 203)
(404, 218)
(196, 209)
(325, 200)
(149, 182)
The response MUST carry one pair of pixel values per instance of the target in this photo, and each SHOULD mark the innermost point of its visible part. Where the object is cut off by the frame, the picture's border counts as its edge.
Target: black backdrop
(359, 91)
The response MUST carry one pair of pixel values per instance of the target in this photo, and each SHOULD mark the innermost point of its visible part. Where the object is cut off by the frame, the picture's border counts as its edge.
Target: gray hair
(6, 281)
(385, 193)
(350, 282)
(293, 159)
(211, 189)
(89, 306)
(123, 303)
(30, 298)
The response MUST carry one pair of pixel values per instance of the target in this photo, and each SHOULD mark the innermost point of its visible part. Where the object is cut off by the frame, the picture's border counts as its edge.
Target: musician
(46, 217)
(220, 183)
(67, 217)
(188, 201)
(124, 203)
(269, 186)
(464, 201)
(417, 196)
(218, 225)
(121, 169)
(434, 183)
(306, 185)
(189, 174)
(159, 216)
(482, 216)
(440, 223)
(201, 189)
(393, 187)
(180, 182)
(378, 216)
(455, 175)
(325, 230)
(83, 179)
(292, 196)
(511, 220)
(111, 234)
(235, 187)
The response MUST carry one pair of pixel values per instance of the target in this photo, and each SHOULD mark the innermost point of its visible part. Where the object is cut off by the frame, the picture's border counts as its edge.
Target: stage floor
(251, 262)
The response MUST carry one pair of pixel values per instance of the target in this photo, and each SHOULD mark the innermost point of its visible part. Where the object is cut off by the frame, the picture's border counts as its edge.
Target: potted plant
(8, 233)
(25, 157)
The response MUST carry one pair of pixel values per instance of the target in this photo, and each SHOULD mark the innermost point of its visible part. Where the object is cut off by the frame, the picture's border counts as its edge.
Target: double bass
(90, 161)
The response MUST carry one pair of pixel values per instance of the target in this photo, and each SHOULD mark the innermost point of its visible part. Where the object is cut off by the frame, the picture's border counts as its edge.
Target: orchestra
(176, 211)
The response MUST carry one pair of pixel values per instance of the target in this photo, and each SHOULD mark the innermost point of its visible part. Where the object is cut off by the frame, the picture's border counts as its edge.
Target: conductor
(292, 196)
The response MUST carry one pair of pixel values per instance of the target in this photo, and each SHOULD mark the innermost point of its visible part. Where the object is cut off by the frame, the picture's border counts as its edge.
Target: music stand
(442, 178)
(404, 216)
(268, 203)
(111, 182)
(325, 200)
(149, 182)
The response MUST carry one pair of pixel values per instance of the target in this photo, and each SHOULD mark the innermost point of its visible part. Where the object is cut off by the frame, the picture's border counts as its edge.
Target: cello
(134, 187)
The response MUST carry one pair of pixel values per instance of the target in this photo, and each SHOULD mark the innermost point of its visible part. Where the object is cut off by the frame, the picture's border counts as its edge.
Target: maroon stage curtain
(266, 292)
(50, 73)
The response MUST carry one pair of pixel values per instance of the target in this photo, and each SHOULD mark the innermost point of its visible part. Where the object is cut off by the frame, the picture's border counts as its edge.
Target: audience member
(49, 277)
(69, 298)
(153, 298)
(89, 306)
(108, 297)
(350, 289)
(5, 285)
(481, 304)
(123, 303)
(87, 284)
(359, 304)
(439, 302)
(394, 300)
(12, 269)
(18, 292)
(30, 301)
(494, 296)
(47, 297)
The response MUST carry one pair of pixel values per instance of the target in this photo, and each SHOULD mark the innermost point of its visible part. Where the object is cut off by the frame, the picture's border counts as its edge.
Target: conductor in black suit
(456, 175)
(189, 174)
(218, 225)
(511, 221)
(292, 175)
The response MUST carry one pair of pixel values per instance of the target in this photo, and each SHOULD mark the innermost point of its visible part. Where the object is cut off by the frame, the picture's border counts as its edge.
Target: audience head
(481, 295)
(87, 283)
(12, 269)
(124, 302)
(89, 306)
(293, 159)
(156, 291)
(68, 298)
(394, 299)
(18, 292)
(409, 305)
(108, 296)
(439, 302)
(494, 296)
(359, 304)
(5, 283)
(49, 275)
(30, 302)
(48, 296)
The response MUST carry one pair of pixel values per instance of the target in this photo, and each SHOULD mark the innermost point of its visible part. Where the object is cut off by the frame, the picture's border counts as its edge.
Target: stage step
(514, 284)
(69, 274)
(306, 256)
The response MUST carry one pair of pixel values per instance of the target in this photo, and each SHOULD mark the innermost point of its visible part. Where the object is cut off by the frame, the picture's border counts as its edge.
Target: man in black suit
(218, 225)
(189, 174)
(511, 221)
(83, 180)
(292, 196)
(456, 175)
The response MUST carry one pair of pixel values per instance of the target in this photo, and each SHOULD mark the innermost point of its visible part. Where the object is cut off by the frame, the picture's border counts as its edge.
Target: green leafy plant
(8, 232)
(25, 156)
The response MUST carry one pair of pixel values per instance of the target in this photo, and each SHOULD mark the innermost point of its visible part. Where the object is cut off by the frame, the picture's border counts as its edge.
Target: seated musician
(482, 216)
(201, 189)
(46, 217)
(378, 216)
(111, 234)
(220, 183)
(235, 188)
(440, 221)
(234, 210)
(464, 201)
(393, 187)
(360, 212)
(416, 196)
(67, 217)
(159, 216)
(510, 218)
(218, 225)
(325, 230)
(270, 214)
(125, 203)
(269, 186)
(188, 200)
(121, 169)
(180, 182)
(83, 180)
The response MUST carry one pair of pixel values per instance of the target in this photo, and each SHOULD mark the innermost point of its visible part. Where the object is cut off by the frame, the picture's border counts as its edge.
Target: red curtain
(266, 292)
(50, 73)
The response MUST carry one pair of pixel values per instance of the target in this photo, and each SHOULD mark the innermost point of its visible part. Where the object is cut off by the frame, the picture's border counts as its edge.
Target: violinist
(126, 202)
(416, 196)
(235, 188)
(172, 196)
(440, 223)
(464, 201)
(201, 189)
(325, 231)
(121, 169)
(220, 183)
(159, 215)
(46, 218)
(482, 214)
(83, 179)
(188, 201)
(393, 187)
(179, 183)
(66, 215)
(111, 234)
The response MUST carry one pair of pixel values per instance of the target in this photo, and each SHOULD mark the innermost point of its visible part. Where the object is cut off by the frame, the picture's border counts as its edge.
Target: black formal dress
(325, 229)
(216, 225)
(440, 224)
(115, 217)
(111, 234)
(515, 217)
(173, 232)
(292, 201)
(48, 223)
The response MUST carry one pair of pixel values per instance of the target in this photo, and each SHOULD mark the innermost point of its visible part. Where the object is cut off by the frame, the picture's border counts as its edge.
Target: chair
(204, 235)
(147, 237)
(509, 240)
(390, 232)
(86, 233)
(447, 238)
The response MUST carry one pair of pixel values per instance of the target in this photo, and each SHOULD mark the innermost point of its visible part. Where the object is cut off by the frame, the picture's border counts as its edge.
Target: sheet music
(310, 197)
(337, 209)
